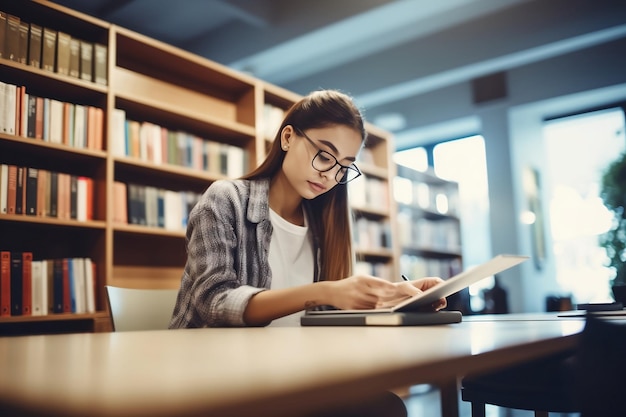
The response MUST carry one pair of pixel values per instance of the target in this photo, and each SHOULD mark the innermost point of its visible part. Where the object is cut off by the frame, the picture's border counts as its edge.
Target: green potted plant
(613, 194)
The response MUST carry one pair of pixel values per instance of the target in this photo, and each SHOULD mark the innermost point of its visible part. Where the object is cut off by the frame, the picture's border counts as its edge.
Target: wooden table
(254, 371)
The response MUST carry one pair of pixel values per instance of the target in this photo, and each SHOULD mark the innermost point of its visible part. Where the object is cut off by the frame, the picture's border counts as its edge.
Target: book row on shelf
(378, 269)
(39, 192)
(272, 118)
(371, 192)
(419, 232)
(436, 198)
(50, 120)
(151, 206)
(153, 143)
(30, 287)
(52, 50)
(417, 266)
(371, 234)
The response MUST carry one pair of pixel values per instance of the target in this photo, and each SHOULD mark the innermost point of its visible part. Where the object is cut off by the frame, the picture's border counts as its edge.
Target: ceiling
(383, 52)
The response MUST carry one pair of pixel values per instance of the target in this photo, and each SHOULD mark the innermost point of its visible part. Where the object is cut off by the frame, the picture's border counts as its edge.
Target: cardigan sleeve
(214, 291)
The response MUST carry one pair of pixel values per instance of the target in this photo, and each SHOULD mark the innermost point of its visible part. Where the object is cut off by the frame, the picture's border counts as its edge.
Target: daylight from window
(578, 151)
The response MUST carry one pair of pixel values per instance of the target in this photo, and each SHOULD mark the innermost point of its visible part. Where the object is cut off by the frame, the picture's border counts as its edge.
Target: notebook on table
(409, 312)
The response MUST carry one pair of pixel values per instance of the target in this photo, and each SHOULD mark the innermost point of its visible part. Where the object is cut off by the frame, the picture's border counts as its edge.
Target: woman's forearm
(269, 305)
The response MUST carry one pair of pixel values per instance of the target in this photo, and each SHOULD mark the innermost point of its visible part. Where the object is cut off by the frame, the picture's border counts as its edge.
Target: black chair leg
(478, 409)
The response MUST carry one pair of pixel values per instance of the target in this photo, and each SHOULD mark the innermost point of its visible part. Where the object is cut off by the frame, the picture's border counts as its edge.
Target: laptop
(409, 312)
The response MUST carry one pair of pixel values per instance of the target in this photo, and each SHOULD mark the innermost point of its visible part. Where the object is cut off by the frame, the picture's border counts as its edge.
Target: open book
(420, 301)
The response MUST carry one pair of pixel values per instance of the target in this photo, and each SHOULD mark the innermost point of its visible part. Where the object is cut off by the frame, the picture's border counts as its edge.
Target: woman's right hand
(360, 292)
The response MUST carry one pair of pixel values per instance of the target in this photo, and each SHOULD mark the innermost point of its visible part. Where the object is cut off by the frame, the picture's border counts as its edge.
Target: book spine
(63, 53)
(27, 283)
(11, 189)
(4, 187)
(74, 69)
(3, 31)
(39, 116)
(86, 61)
(50, 275)
(10, 108)
(37, 293)
(34, 46)
(31, 191)
(54, 194)
(5, 283)
(19, 190)
(48, 49)
(16, 283)
(67, 296)
(100, 63)
(22, 51)
(42, 188)
(12, 38)
(73, 197)
(57, 286)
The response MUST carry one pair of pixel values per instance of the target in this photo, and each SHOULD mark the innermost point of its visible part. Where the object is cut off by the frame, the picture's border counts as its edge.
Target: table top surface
(239, 371)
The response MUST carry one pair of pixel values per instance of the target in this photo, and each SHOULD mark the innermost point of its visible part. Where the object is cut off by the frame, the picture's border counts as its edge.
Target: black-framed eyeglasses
(324, 161)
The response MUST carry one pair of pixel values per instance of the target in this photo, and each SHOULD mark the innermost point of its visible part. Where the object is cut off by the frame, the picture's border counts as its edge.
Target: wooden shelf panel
(376, 153)
(50, 238)
(54, 323)
(145, 230)
(383, 253)
(52, 221)
(372, 170)
(48, 84)
(174, 99)
(36, 153)
(171, 177)
(146, 276)
(427, 214)
(149, 249)
(278, 96)
(158, 60)
(370, 212)
(432, 252)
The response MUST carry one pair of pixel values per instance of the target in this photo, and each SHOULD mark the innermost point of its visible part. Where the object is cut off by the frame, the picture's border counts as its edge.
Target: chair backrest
(600, 366)
(140, 309)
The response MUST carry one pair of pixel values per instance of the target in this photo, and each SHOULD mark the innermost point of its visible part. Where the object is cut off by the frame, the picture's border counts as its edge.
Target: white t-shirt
(291, 260)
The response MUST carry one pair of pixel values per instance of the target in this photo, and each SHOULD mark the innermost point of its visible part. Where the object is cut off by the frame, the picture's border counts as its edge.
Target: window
(578, 149)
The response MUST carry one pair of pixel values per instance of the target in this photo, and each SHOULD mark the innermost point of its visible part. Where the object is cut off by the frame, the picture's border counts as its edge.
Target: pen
(405, 278)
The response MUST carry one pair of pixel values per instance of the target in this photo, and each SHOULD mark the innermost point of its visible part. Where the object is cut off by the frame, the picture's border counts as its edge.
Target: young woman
(263, 248)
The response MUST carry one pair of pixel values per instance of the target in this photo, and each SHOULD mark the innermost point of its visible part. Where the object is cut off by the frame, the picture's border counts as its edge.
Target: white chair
(140, 309)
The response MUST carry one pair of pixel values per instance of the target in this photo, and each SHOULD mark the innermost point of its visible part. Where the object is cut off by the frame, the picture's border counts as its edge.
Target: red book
(27, 283)
(20, 93)
(5, 283)
(12, 189)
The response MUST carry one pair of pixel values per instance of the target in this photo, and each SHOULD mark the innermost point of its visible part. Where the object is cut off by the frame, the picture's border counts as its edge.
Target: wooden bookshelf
(150, 82)
(429, 228)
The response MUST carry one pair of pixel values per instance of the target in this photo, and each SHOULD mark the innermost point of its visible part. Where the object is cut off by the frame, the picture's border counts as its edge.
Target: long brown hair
(333, 227)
